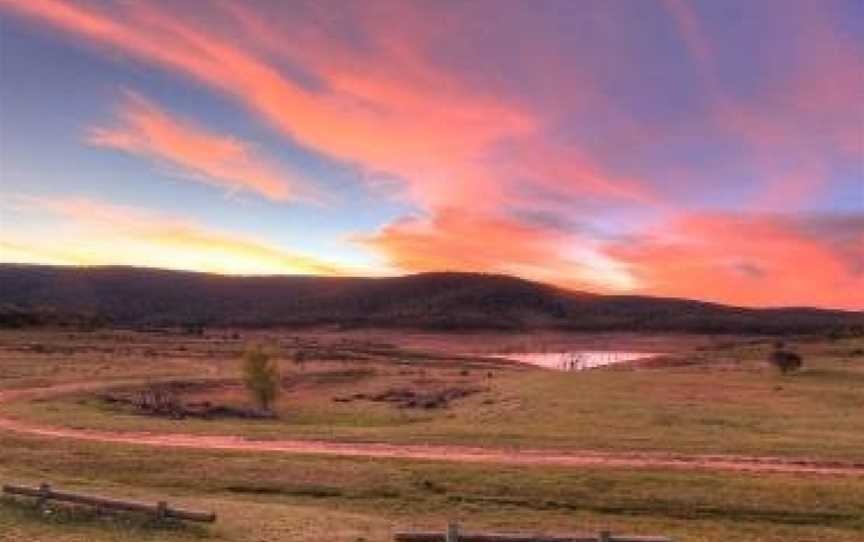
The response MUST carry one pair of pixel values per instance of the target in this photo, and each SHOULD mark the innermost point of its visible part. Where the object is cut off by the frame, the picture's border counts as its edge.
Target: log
(420, 536)
(161, 510)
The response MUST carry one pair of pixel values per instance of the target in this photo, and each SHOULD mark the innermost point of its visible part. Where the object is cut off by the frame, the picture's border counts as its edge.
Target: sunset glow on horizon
(686, 148)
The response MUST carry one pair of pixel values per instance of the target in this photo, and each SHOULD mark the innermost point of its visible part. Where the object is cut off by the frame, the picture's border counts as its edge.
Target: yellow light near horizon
(161, 253)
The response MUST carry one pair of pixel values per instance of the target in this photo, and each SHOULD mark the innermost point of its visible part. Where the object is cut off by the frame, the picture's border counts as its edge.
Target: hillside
(41, 295)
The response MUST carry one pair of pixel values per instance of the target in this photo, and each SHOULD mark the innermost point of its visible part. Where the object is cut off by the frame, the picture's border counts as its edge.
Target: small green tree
(261, 376)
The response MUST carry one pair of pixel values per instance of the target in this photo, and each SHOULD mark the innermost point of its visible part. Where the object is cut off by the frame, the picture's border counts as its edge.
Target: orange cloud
(96, 232)
(452, 240)
(752, 260)
(442, 130)
(211, 158)
(396, 113)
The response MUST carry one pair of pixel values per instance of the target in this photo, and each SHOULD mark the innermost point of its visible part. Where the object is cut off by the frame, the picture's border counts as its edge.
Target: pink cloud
(751, 260)
(224, 161)
(452, 240)
(398, 113)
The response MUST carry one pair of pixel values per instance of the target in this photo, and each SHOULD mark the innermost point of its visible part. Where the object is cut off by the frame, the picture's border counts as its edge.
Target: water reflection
(575, 361)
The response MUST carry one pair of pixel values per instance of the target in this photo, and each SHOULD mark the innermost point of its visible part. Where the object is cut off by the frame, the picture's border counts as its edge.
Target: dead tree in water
(572, 361)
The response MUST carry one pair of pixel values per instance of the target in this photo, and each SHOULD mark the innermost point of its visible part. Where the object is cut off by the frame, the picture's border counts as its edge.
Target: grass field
(716, 397)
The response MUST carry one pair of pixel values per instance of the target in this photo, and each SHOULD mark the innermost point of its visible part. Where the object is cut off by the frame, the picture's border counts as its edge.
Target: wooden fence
(454, 535)
(160, 510)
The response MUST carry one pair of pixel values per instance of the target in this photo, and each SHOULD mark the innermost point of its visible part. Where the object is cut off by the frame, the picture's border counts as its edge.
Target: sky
(701, 149)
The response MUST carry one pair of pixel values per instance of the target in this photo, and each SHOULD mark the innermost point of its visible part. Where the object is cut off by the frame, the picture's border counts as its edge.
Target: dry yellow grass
(726, 401)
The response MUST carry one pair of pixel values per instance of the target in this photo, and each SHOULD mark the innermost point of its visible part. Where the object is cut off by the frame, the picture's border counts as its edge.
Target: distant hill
(140, 297)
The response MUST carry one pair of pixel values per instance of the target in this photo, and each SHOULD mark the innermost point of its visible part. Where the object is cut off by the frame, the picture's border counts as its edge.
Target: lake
(575, 361)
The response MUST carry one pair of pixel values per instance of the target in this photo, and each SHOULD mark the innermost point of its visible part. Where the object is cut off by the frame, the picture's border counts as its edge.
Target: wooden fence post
(161, 510)
(452, 532)
(44, 493)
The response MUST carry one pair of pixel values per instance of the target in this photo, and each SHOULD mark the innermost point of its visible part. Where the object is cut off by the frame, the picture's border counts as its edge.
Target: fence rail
(454, 535)
(160, 510)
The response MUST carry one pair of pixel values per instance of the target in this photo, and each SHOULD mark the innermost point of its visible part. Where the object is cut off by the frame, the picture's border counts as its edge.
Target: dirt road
(462, 454)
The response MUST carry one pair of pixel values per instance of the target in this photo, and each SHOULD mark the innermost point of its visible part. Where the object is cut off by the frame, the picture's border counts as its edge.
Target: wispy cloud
(228, 162)
(801, 118)
(393, 110)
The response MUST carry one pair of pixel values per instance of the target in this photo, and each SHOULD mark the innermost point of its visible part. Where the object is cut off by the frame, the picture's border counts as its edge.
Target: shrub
(300, 358)
(261, 376)
(194, 329)
(785, 361)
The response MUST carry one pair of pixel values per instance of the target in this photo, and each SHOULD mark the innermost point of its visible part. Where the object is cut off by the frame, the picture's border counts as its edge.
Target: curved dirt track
(463, 454)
